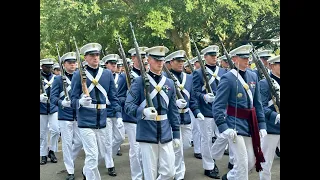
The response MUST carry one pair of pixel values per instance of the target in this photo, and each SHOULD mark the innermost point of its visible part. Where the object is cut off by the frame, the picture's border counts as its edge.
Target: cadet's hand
(176, 143)
(66, 103)
(277, 119)
(150, 113)
(119, 123)
(229, 133)
(262, 133)
(181, 103)
(209, 98)
(85, 100)
(43, 98)
(200, 116)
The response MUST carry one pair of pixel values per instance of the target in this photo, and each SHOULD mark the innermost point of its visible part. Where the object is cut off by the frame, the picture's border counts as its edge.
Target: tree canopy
(157, 22)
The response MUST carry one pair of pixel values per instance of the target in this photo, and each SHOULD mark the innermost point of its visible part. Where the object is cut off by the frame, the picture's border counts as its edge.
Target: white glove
(85, 100)
(263, 133)
(150, 113)
(229, 133)
(200, 116)
(181, 103)
(43, 98)
(119, 123)
(277, 119)
(209, 98)
(66, 103)
(176, 143)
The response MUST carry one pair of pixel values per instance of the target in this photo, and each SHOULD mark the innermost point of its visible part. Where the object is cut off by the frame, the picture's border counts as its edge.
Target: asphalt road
(194, 170)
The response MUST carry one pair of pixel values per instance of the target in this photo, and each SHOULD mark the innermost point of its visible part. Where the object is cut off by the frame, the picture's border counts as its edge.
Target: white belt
(159, 118)
(182, 111)
(96, 106)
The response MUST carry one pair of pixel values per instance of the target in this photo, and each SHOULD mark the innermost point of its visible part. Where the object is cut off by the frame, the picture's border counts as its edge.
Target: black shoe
(197, 155)
(52, 157)
(192, 145)
(84, 177)
(278, 152)
(112, 171)
(226, 152)
(119, 153)
(230, 166)
(214, 139)
(224, 177)
(70, 177)
(216, 168)
(43, 160)
(212, 174)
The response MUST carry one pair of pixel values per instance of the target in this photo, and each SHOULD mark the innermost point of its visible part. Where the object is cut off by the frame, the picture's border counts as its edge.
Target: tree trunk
(182, 43)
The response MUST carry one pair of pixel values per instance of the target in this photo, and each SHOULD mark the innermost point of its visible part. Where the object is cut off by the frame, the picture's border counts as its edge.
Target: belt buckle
(158, 118)
(98, 106)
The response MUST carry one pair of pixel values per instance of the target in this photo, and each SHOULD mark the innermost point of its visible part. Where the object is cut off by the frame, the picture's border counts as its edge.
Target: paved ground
(194, 171)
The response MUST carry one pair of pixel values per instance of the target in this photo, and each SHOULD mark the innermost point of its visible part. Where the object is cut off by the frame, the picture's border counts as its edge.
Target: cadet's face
(197, 65)
(187, 69)
(224, 64)
(112, 66)
(70, 66)
(265, 61)
(136, 62)
(177, 65)
(155, 65)
(93, 59)
(241, 63)
(56, 71)
(275, 69)
(168, 65)
(210, 59)
(46, 68)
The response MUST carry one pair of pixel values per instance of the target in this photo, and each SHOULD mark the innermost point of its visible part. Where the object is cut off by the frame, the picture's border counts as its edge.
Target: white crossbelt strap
(244, 84)
(181, 86)
(95, 82)
(68, 87)
(155, 90)
(48, 83)
(134, 74)
(116, 80)
(213, 76)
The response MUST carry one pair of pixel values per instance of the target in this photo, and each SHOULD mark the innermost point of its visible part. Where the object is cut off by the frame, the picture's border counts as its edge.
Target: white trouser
(108, 144)
(52, 120)
(244, 158)
(71, 143)
(94, 145)
(158, 159)
(118, 136)
(134, 151)
(218, 148)
(196, 136)
(207, 126)
(185, 138)
(268, 146)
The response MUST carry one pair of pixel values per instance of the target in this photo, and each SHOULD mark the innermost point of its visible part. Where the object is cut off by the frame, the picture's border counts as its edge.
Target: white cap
(195, 59)
(110, 57)
(56, 65)
(47, 61)
(141, 51)
(180, 54)
(222, 57)
(275, 59)
(70, 56)
(90, 48)
(211, 50)
(264, 53)
(157, 52)
(241, 51)
(120, 62)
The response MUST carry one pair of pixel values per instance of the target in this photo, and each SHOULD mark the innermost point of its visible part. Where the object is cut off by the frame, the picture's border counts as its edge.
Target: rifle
(82, 72)
(231, 65)
(205, 74)
(146, 83)
(262, 69)
(178, 93)
(125, 63)
(42, 90)
(64, 84)
(190, 65)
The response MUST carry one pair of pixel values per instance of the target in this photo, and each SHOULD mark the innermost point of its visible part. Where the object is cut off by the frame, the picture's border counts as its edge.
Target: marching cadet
(56, 69)
(157, 127)
(264, 56)
(130, 122)
(48, 115)
(270, 142)
(205, 101)
(239, 115)
(71, 141)
(120, 68)
(195, 62)
(92, 112)
(114, 123)
(185, 108)
(187, 68)
(224, 62)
